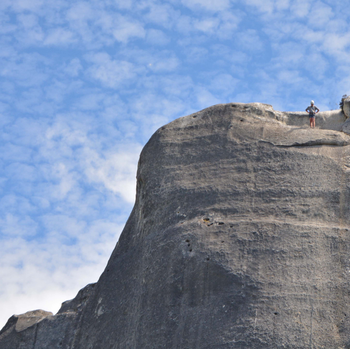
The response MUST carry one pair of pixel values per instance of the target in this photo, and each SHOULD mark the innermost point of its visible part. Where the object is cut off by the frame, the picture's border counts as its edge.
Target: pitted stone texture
(238, 238)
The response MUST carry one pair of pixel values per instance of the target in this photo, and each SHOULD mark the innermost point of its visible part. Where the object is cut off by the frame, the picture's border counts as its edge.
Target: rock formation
(346, 106)
(239, 238)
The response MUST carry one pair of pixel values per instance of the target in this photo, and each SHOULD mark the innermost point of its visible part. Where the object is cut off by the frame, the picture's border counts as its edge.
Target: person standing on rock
(312, 110)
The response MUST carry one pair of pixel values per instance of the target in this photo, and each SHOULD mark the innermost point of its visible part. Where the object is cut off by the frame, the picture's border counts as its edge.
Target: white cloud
(159, 110)
(81, 18)
(222, 25)
(225, 83)
(290, 77)
(59, 36)
(66, 181)
(210, 5)
(281, 5)
(317, 65)
(266, 6)
(117, 172)
(229, 24)
(17, 226)
(5, 27)
(159, 13)
(26, 5)
(111, 73)
(28, 21)
(21, 171)
(74, 67)
(309, 35)
(157, 37)
(250, 40)
(174, 86)
(236, 57)
(184, 24)
(5, 4)
(125, 29)
(301, 8)
(206, 25)
(42, 275)
(336, 44)
(125, 4)
(163, 64)
(204, 98)
(81, 12)
(14, 153)
(320, 15)
(196, 53)
(25, 70)
(290, 54)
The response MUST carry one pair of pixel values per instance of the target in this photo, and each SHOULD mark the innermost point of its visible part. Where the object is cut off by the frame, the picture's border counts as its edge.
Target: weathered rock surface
(346, 106)
(40, 329)
(239, 238)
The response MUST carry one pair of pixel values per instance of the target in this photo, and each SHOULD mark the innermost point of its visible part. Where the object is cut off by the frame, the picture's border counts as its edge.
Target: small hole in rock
(187, 240)
(221, 223)
(222, 242)
(276, 313)
(242, 120)
(208, 259)
(189, 245)
(191, 250)
(194, 116)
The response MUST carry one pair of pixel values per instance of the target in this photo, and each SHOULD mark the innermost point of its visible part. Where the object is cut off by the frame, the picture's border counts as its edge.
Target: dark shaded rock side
(239, 238)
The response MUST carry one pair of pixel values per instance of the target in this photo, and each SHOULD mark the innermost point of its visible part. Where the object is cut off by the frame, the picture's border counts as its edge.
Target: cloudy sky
(84, 84)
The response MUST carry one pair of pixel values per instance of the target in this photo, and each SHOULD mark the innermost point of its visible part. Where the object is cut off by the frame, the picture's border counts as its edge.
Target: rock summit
(239, 238)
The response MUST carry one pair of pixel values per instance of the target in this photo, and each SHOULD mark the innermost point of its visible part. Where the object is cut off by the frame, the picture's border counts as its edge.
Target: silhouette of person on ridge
(312, 110)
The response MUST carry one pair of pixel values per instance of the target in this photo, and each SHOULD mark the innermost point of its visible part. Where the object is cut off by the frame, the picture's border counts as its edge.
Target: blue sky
(84, 84)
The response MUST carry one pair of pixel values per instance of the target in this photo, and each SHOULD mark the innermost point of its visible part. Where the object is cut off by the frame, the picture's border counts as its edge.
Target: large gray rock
(346, 106)
(40, 329)
(239, 238)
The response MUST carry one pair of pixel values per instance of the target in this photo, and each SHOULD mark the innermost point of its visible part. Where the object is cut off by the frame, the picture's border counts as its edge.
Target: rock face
(239, 238)
(346, 106)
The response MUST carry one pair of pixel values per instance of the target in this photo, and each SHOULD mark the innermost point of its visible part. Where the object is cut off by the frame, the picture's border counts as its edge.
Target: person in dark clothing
(312, 110)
